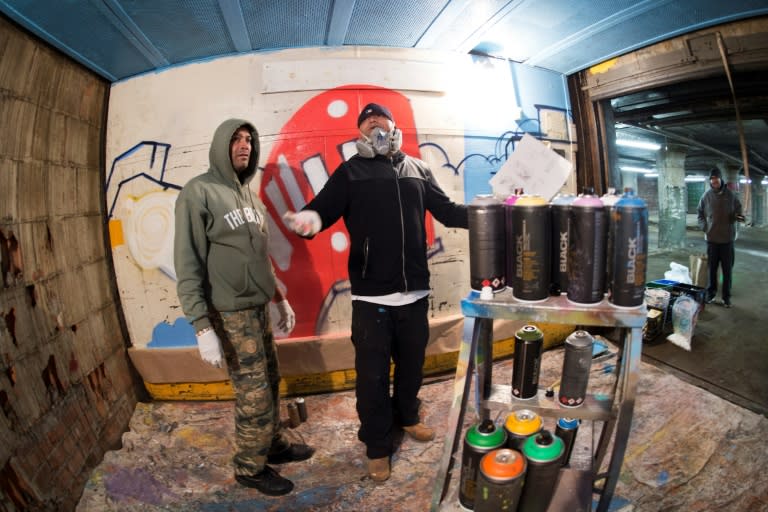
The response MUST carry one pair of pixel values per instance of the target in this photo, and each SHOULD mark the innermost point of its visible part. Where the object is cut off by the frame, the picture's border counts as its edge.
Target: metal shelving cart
(613, 411)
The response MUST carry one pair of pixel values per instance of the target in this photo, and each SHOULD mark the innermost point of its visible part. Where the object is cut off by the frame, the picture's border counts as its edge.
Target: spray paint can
(520, 425)
(543, 453)
(586, 251)
(301, 406)
(293, 415)
(479, 440)
(525, 370)
(560, 208)
(500, 482)
(577, 363)
(531, 227)
(630, 250)
(566, 429)
(609, 200)
(509, 236)
(486, 243)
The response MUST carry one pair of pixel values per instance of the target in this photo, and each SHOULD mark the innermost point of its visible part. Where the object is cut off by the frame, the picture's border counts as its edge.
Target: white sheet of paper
(533, 167)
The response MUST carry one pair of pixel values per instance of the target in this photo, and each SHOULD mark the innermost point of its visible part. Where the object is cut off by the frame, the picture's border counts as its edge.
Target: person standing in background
(718, 211)
(225, 282)
(383, 195)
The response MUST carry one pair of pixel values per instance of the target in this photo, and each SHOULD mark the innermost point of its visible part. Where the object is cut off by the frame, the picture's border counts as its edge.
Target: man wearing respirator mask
(383, 196)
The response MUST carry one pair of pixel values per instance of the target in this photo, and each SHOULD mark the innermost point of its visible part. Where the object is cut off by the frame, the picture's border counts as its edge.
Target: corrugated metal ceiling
(122, 38)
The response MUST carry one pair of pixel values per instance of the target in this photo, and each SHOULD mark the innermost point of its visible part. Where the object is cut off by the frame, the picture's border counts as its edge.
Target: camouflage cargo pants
(249, 348)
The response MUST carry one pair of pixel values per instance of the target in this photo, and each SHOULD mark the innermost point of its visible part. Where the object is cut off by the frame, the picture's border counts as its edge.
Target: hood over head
(219, 153)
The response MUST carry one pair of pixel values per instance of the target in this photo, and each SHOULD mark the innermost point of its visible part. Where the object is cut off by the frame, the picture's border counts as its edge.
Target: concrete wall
(66, 391)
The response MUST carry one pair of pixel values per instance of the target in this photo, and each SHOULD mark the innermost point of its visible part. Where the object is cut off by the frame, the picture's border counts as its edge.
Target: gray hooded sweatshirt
(717, 213)
(220, 248)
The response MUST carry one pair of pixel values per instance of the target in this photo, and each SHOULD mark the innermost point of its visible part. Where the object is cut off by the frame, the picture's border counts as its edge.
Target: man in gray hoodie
(225, 283)
(718, 211)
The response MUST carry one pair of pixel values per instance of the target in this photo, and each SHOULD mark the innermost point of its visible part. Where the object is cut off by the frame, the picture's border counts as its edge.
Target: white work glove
(303, 223)
(209, 345)
(287, 316)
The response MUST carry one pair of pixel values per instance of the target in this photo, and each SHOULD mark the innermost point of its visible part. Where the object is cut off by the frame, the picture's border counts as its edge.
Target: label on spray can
(479, 440)
(560, 208)
(629, 227)
(531, 228)
(500, 482)
(586, 252)
(527, 364)
(486, 243)
(577, 363)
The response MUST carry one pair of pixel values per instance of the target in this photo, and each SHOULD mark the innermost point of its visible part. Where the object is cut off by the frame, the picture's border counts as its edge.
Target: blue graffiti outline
(161, 182)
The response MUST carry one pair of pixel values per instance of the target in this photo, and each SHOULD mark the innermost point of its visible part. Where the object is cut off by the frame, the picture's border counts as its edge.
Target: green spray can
(479, 440)
(543, 453)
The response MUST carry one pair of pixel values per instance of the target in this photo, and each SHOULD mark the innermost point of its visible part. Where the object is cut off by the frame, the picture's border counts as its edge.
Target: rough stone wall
(66, 388)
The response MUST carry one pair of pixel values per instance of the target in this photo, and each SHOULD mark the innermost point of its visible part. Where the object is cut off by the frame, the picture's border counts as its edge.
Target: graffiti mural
(466, 131)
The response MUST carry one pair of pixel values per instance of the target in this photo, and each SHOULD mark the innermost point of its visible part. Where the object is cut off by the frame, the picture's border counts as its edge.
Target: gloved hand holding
(287, 316)
(209, 345)
(303, 223)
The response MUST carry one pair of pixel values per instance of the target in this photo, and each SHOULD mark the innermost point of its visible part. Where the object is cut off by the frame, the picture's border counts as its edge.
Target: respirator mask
(380, 142)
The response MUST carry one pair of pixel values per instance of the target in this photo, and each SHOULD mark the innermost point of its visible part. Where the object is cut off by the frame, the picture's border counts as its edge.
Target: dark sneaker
(268, 482)
(294, 453)
(727, 304)
(710, 299)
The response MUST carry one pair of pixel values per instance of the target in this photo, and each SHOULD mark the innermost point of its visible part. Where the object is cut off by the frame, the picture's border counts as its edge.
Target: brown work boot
(420, 432)
(378, 469)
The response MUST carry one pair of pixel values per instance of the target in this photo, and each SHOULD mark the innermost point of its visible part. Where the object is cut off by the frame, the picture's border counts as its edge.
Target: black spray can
(509, 236)
(566, 429)
(479, 440)
(577, 363)
(531, 228)
(500, 482)
(609, 201)
(630, 251)
(529, 341)
(543, 453)
(586, 251)
(486, 243)
(560, 209)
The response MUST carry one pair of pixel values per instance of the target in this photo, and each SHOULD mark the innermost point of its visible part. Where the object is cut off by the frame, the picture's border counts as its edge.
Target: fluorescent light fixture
(670, 114)
(651, 175)
(638, 144)
(630, 168)
(744, 180)
(695, 179)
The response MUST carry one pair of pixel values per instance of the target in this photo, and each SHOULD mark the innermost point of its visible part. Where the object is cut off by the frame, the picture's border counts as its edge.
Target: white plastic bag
(678, 273)
(684, 315)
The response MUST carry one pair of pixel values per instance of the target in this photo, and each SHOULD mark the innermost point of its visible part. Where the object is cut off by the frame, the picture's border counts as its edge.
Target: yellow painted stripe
(340, 380)
(603, 66)
(116, 232)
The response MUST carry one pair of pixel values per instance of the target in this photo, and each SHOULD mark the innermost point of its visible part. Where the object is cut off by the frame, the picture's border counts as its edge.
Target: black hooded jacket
(383, 202)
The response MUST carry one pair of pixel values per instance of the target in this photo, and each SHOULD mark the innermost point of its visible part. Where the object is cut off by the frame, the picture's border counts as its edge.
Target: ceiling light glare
(638, 144)
(630, 168)
(651, 175)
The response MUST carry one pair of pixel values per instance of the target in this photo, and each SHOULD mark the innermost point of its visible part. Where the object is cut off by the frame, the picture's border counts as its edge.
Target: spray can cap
(486, 435)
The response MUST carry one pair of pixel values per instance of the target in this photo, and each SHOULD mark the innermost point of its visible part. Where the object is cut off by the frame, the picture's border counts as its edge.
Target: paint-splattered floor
(689, 451)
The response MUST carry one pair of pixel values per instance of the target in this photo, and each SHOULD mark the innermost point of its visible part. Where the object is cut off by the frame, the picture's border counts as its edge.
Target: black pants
(380, 334)
(723, 255)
